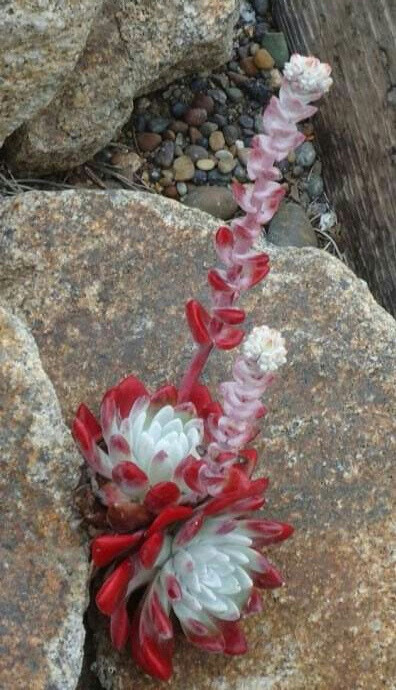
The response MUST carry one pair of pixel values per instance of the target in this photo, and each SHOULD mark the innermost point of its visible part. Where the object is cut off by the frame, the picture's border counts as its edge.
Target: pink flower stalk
(306, 79)
(172, 470)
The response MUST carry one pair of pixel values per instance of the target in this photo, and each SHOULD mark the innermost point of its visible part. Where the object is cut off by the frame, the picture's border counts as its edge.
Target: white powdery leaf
(266, 347)
(307, 74)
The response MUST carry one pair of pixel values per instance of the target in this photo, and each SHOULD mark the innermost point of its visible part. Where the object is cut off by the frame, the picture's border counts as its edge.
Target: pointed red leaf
(235, 640)
(108, 546)
(168, 516)
(119, 626)
(161, 495)
(231, 316)
(129, 475)
(166, 395)
(217, 282)
(198, 321)
(229, 338)
(200, 397)
(114, 588)
(127, 392)
(150, 549)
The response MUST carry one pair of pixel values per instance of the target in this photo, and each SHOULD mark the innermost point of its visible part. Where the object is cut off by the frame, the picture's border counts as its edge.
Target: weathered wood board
(357, 123)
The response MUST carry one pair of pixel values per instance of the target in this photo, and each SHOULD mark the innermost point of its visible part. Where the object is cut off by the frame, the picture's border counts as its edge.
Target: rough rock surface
(104, 281)
(39, 46)
(43, 563)
(133, 47)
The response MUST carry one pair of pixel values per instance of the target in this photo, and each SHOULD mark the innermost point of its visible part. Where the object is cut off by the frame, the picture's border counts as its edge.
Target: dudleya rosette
(179, 535)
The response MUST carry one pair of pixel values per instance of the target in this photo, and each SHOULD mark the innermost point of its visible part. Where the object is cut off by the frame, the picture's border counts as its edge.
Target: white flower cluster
(266, 348)
(307, 74)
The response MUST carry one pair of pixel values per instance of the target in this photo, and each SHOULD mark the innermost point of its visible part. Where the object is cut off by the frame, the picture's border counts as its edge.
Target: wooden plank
(357, 123)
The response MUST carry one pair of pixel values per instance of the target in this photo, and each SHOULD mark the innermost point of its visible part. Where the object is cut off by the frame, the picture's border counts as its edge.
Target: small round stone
(207, 128)
(240, 173)
(305, 154)
(194, 134)
(181, 188)
(179, 126)
(275, 79)
(261, 6)
(165, 154)
(195, 116)
(227, 165)
(231, 134)
(223, 155)
(258, 124)
(205, 164)
(148, 141)
(216, 141)
(243, 155)
(218, 95)
(249, 67)
(183, 169)
(315, 186)
(234, 94)
(254, 47)
(200, 177)
(220, 120)
(140, 122)
(171, 192)
(157, 124)
(263, 60)
(198, 85)
(258, 91)
(276, 44)
(155, 175)
(246, 122)
(178, 109)
(196, 152)
(202, 100)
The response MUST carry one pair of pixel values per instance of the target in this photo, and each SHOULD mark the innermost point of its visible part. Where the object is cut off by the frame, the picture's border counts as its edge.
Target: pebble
(198, 84)
(240, 173)
(129, 162)
(216, 141)
(181, 188)
(275, 79)
(249, 67)
(235, 94)
(194, 134)
(195, 116)
(155, 175)
(275, 43)
(179, 126)
(297, 170)
(171, 192)
(208, 127)
(254, 47)
(305, 154)
(227, 165)
(200, 177)
(246, 121)
(290, 227)
(261, 6)
(196, 152)
(169, 135)
(314, 186)
(231, 134)
(223, 155)
(220, 120)
(178, 109)
(180, 139)
(263, 60)
(258, 124)
(140, 122)
(218, 95)
(220, 79)
(239, 79)
(205, 164)
(217, 201)
(202, 100)
(243, 155)
(148, 141)
(215, 177)
(167, 178)
(183, 169)
(157, 124)
(165, 155)
(258, 91)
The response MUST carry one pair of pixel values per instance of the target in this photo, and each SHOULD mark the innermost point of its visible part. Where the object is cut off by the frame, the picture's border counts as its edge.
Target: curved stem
(193, 372)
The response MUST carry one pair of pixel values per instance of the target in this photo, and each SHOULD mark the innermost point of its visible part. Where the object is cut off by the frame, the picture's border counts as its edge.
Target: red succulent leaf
(161, 495)
(232, 499)
(198, 321)
(200, 397)
(230, 315)
(150, 549)
(91, 424)
(217, 282)
(166, 395)
(189, 529)
(114, 588)
(129, 475)
(250, 457)
(254, 604)
(168, 516)
(108, 546)
(235, 640)
(228, 338)
(125, 394)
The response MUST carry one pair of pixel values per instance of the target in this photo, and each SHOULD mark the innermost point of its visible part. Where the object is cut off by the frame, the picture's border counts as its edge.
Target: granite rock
(132, 49)
(39, 46)
(101, 279)
(44, 563)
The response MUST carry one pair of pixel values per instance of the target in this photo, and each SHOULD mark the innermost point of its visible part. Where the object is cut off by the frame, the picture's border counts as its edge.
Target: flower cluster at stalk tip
(171, 471)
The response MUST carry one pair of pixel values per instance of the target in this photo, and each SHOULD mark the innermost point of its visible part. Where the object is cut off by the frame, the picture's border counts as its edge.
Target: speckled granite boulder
(101, 279)
(43, 562)
(133, 48)
(40, 43)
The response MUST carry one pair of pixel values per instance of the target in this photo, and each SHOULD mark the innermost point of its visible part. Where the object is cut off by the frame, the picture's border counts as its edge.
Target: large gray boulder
(133, 48)
(44, 559)
(40, 43)
(102, 278)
